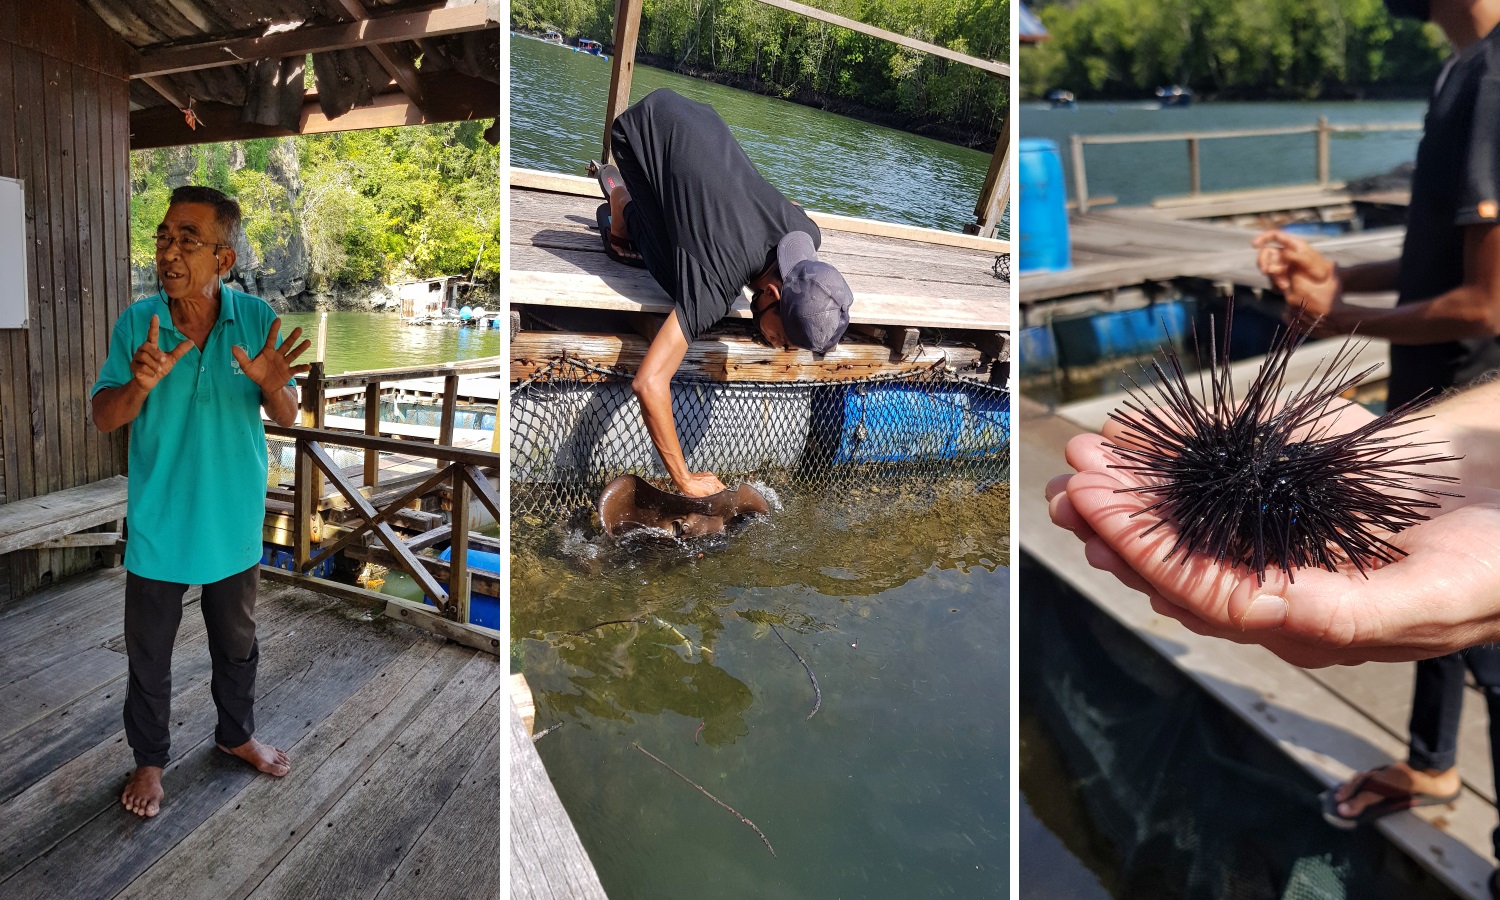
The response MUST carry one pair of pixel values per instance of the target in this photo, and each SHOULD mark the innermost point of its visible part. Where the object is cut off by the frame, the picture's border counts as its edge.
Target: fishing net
(576, 426)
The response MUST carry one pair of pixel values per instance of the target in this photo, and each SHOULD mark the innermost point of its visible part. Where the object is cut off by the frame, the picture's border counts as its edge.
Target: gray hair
(226, 208)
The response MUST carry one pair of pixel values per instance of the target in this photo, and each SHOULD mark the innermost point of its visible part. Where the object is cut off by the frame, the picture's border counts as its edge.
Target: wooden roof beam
(168, 90)
(812, 12)
(399, 69)
(457, 18)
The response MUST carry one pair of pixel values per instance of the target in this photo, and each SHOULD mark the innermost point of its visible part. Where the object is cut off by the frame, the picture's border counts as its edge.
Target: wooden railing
(316, 385)
(1323, 131)
(464, 472)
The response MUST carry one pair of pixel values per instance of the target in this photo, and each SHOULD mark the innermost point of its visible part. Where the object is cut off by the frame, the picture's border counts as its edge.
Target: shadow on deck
(394, 736)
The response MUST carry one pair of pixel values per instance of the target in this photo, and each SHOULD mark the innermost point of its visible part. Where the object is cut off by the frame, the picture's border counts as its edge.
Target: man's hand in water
(701, 484)
(1308, 279)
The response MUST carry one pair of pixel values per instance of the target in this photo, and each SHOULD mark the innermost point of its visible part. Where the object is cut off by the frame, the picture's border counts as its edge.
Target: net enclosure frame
(576, 425)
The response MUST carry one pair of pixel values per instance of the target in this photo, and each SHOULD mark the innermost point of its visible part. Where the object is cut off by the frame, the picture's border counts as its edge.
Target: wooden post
(303, 504)
(1324, 132)
(450, 410)
(458, 562)
(1080, 178)
(1194, 173)
(622, 67)
(372, 428)
(314, 415)
(995, 194)
(322, 336)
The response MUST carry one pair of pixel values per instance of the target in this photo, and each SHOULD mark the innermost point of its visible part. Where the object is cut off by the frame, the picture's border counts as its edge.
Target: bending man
(688, 204)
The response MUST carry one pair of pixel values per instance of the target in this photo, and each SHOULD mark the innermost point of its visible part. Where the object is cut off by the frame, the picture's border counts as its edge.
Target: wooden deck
(394, 737)
(1333, 722)
(1127, 247)
(547, 860)
(901, 276)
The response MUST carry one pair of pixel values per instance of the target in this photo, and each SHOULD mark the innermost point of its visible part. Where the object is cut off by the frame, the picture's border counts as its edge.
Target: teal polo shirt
(197, 496)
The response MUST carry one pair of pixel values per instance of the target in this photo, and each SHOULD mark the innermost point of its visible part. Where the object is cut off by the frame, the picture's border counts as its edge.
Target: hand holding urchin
(1265, 482)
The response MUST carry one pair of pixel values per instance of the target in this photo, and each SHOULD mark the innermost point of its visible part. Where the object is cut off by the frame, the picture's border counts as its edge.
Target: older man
(180, 373)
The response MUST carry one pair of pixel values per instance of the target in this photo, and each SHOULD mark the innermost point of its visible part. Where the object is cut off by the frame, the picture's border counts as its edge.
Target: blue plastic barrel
(1043, 217)
(483, 609)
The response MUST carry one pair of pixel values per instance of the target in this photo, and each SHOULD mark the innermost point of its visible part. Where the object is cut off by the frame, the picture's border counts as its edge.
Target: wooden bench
(50, 522)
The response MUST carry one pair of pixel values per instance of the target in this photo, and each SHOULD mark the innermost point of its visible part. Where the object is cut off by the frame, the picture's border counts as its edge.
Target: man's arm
(280, 405)
(1471, 310)
(1371, 277)
(653, 387)
(116, 406)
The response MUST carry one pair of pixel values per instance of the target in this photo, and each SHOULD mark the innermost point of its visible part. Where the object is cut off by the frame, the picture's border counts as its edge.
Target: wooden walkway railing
(1323, 131)
(449, 584)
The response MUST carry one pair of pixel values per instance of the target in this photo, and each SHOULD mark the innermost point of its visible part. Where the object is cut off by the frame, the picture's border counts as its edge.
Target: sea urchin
(1266, 481)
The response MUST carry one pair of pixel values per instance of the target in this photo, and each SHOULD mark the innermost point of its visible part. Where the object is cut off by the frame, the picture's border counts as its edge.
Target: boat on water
(587, 45)
(1060, 99)
(1174, 96)
(552, 37)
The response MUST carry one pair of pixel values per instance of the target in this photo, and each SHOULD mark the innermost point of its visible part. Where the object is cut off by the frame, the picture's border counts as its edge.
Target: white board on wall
(13, 291)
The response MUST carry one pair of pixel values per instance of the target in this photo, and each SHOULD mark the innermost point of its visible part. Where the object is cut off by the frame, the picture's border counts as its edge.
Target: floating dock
(1332, 722)
(921, 296)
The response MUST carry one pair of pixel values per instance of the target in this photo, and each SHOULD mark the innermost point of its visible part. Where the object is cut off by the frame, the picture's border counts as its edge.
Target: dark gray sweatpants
(153, 610)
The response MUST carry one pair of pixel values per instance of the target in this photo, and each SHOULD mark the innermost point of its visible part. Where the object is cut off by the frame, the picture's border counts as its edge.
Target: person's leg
(153, 610)
(1484, 662)
(1432, 747)
(635, 213)
(229, 617)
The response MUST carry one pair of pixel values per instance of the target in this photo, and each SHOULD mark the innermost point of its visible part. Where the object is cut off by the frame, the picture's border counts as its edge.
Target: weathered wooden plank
(547, 860)
(637, 293)
(522, 180)
(28, 699)
(68, 310)
(389, 377)
(86, 111)
(109, 539)
(31, 521)
(729, 359)
(100, 856)
(271, 815)
(457, 856)
(359, 845)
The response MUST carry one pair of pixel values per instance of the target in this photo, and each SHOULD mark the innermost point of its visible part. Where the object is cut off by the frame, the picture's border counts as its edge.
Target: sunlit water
(359, 341)
(897, 787)
(1136, 173)
(823, 161)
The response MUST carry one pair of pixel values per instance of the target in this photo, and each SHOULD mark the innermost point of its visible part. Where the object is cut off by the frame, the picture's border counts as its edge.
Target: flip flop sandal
(616, 247)
(1394, 800)
(609, 177)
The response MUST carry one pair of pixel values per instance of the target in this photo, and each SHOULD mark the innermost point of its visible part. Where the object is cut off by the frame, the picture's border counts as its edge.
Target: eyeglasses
(185, 244)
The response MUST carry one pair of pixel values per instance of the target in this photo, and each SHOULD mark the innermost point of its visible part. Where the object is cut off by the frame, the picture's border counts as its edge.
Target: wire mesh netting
(576, 426)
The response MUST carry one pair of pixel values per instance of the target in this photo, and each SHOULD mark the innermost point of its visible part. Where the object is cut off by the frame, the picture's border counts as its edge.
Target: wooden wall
(64, 131)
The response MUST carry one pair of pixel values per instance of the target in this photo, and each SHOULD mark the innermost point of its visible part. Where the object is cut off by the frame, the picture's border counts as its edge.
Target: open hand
(1308, 279)
(1443, 596)
(150, 365)
(701, 484)
(272, 367)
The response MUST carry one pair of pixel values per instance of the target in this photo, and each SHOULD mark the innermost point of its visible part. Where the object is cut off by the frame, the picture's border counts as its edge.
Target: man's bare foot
(143, 794)
(1398, 775)
(262, 756)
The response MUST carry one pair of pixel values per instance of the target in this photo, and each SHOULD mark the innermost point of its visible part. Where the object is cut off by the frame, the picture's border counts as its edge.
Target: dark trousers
(153, 610)
(1438, 702)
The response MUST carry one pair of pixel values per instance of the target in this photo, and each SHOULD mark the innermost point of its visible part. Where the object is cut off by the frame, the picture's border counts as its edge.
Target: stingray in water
(630, 504)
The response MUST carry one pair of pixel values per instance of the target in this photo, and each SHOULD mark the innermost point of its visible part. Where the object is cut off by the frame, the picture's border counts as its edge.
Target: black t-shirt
(702, 216)
(1456, 184)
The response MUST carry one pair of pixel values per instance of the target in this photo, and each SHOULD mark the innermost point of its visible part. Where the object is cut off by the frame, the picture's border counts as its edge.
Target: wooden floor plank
(32, 697)
(29, 753)
(270, 816)
(358, 845)
(108, 852)
(547, 860)
(459, 853)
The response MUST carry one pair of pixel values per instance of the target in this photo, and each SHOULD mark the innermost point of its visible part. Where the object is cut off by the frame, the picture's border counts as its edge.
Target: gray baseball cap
(815, 298)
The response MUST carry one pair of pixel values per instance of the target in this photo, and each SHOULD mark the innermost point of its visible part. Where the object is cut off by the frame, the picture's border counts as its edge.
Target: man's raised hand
(272, 366)
(150, 365)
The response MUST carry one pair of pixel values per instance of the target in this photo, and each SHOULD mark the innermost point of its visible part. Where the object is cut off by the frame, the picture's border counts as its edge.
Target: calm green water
(896, 788)
(358, 341)
(823, 161)
(1135, 173)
